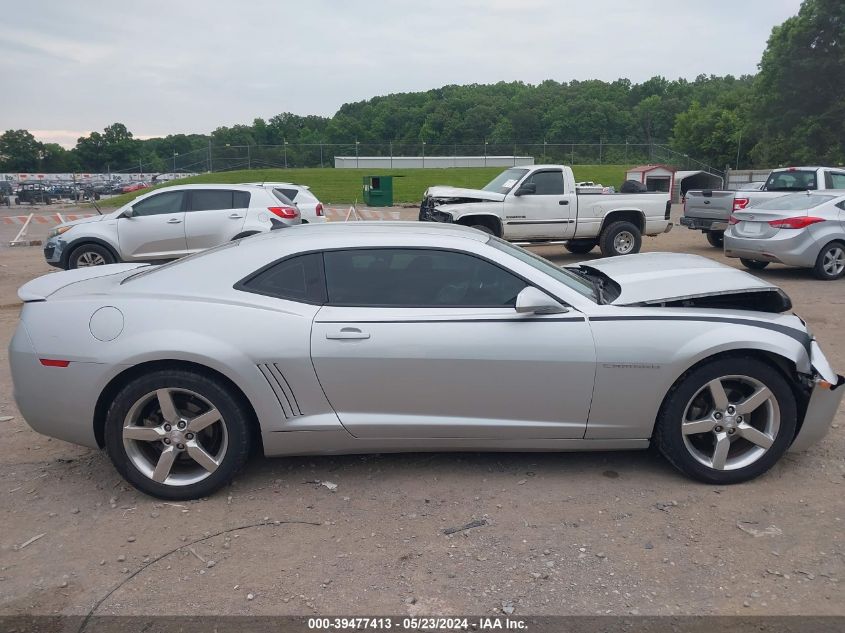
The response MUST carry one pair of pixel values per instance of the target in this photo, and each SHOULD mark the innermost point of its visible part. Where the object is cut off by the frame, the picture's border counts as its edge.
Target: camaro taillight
(286, 213)
(740, 203)
(319, 210)
(795, 223)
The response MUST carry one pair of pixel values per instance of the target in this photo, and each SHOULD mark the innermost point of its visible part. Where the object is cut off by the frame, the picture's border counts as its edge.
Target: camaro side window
(298, 278)
(417, 278)
(168, 202)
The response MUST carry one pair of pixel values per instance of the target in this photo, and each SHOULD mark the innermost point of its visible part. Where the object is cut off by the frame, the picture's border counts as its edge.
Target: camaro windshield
(505, 181)
(579, 284)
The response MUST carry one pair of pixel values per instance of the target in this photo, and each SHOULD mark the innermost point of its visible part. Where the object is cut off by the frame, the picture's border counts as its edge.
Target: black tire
(483, 228)
(753, 264)
(669, 438)
(716, 239)
(826, 263)
(233, 413)
(88, 252)
(579, 248)
(611, 247)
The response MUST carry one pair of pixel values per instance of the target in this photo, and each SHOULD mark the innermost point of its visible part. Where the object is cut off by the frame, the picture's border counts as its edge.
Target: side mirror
(529, 188)
(129, 213)
(533, 301)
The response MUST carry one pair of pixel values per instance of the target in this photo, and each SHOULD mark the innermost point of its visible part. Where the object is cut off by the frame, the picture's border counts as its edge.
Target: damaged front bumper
(429, 212)
(825, 397)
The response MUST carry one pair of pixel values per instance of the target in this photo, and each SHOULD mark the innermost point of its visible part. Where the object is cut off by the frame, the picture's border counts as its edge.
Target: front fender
(461, 211)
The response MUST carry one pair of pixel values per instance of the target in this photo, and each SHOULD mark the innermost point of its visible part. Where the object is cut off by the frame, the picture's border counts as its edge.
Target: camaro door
(156, 229)
(425, 343)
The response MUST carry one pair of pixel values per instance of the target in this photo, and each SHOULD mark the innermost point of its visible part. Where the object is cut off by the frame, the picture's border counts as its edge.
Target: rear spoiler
(42, 287)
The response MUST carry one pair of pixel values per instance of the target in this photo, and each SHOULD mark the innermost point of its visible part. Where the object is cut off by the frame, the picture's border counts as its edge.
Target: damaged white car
(543, 203)
(378, 337)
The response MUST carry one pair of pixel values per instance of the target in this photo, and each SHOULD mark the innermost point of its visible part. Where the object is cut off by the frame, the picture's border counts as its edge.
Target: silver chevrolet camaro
(377, 337)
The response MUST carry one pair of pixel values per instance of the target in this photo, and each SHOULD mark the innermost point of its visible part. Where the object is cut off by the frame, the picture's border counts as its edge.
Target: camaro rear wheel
(176, 434)
(727, 421)
(830, 264)
(90, 255)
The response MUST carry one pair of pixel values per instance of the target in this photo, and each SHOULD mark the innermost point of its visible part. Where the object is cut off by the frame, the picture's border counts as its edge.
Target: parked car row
(777, 223)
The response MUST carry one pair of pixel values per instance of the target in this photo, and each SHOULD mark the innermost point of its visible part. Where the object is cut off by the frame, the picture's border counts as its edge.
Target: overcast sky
(184, 66)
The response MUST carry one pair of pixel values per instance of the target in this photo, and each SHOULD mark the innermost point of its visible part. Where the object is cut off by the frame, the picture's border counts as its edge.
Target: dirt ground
(592, 533)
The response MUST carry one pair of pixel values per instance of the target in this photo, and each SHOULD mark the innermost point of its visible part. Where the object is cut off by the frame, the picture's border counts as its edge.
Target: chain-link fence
(215, 157)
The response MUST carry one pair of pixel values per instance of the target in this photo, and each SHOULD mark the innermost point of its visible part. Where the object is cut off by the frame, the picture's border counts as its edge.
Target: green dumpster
(378, 191)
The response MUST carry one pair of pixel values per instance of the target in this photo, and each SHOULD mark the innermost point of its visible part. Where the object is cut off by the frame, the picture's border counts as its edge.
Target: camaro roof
(376, 227)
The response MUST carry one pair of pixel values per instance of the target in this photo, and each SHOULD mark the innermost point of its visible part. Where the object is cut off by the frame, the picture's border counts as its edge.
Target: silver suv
(170, 223)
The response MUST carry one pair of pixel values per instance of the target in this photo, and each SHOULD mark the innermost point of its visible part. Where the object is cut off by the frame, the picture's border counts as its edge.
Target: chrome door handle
(347, 334)
(235, 216)
(174, 221)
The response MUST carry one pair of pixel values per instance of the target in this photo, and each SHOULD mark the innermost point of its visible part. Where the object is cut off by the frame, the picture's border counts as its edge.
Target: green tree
(20, 151)
(798, 111)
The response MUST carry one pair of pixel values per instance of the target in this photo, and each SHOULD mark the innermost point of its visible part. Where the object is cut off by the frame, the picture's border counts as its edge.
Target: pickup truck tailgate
(709, 205)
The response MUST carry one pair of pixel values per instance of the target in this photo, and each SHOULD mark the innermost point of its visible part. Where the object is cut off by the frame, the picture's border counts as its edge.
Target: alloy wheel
(731, 422)
(834, 261)
(175, 436)
(90, 258)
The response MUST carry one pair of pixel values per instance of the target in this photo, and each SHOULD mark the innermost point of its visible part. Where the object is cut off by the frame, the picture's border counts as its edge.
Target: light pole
(485, 153)
(357, 143)
(175, 154)
(544, 149)
(423, 148)
(286, 153)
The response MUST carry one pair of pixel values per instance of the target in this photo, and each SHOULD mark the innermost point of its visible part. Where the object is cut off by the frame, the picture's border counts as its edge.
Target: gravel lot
(615, 533)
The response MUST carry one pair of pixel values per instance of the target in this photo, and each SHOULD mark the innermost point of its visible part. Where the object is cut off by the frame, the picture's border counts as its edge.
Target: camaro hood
(657, 278)
(441, 192)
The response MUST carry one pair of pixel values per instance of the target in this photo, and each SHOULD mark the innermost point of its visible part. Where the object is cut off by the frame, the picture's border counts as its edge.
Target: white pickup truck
(541, 203)
(709, 211)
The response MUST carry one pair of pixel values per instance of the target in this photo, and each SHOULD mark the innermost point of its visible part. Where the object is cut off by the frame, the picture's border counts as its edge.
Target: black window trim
(242, 284)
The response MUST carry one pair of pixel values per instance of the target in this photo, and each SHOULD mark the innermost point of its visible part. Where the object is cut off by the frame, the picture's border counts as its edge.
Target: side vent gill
(284, 394)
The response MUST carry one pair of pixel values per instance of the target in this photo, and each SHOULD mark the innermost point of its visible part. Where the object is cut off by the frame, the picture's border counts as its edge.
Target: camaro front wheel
(727, 421)
(176, 434)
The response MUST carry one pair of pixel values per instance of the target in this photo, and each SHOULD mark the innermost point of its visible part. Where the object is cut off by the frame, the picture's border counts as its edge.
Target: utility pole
(286, 152)
(738, 147)
(423, 153)
(248, 158)
(210, 164)
(357, 143)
